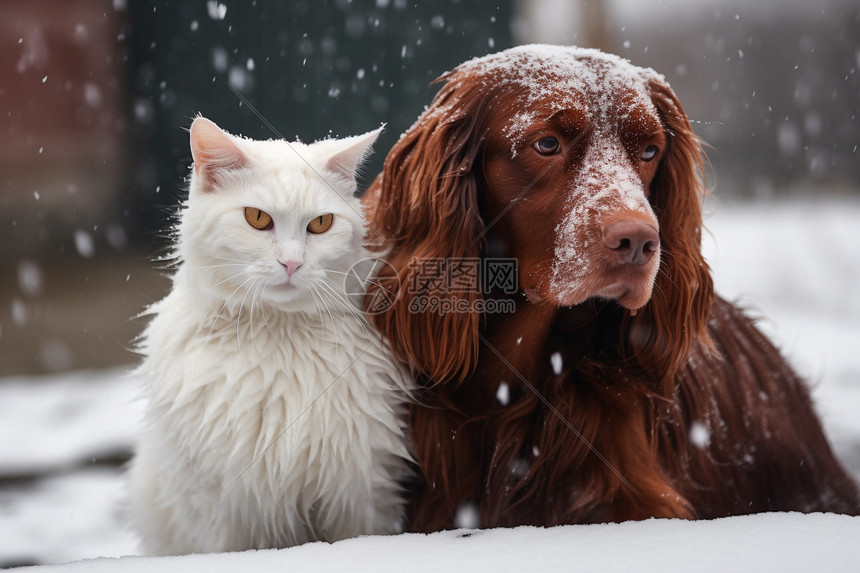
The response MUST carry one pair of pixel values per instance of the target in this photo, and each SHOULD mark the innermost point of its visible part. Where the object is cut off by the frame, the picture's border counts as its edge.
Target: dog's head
(571, 151)
(578, 164)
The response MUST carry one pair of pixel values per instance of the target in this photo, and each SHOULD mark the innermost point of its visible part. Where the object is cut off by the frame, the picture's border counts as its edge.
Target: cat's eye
(649, 153)
(547, 146)
(258, 218)
(321, 224)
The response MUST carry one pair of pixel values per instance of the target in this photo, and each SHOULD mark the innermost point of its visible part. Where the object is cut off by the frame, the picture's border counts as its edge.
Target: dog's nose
(632, 242)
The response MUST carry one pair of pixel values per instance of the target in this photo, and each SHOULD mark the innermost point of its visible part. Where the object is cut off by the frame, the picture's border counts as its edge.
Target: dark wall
(309, 68)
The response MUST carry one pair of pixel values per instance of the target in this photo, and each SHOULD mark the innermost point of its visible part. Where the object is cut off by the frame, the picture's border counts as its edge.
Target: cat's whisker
(223, 262)
(205, 270)
(345, 303)
(226, 302)
(319, 298)
(262, 284)
(222, 257)
(217, 318)
(366, 280)
(228, 279)
(340, 298)
(253, 333)
(250, 317)
(219, 266)
(332, 301)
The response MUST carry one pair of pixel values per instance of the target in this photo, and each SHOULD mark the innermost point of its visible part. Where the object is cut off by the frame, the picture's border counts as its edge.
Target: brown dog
(615, 385)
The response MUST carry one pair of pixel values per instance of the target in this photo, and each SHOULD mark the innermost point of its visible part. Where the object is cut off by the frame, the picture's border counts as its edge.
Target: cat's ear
(214, 151)
(347, 154)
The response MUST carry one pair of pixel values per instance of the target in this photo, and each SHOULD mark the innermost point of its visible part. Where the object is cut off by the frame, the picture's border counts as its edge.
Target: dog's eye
(547, 146)
(649, 153)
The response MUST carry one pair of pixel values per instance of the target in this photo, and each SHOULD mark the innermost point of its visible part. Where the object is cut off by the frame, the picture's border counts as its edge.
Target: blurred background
(96, 97)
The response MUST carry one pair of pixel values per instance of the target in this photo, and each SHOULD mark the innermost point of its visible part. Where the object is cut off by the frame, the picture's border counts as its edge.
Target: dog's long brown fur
(616, 409)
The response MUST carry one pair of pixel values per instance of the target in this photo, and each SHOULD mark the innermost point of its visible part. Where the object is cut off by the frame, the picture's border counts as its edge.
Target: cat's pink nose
(291, 266)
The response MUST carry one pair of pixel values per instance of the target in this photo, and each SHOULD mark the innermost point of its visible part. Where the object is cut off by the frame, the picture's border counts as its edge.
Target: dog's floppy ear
(664, 332)
(423, 211)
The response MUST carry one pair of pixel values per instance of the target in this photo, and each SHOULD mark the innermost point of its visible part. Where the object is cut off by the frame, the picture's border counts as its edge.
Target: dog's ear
(423, 211)
(664, 332)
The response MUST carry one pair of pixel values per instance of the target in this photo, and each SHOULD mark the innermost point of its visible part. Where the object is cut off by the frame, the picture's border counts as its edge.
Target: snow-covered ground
(796, 264)
(775, 542)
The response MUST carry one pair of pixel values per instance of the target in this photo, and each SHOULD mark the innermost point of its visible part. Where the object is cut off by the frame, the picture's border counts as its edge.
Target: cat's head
(271, 222)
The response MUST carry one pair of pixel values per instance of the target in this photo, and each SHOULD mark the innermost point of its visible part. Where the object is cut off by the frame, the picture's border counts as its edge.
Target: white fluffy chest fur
(267, 430)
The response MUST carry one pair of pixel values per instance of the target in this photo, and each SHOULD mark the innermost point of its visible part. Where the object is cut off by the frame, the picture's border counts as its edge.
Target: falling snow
(30, 279)
(116, 236)
(20, 316)
(556, 362)
(239, 78)
(216, 10)
(467, 517)
(143, 110)
(700, 436)
(84, 244)
(92, 94)
(503, 394)
(220, 59)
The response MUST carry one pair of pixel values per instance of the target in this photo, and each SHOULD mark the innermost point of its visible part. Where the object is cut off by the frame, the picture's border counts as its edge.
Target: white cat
(275, 415)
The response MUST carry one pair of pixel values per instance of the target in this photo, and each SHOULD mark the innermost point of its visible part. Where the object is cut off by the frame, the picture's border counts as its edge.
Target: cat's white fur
(275, 415)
